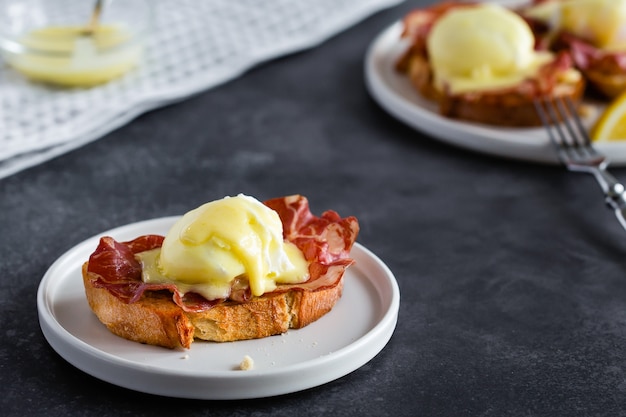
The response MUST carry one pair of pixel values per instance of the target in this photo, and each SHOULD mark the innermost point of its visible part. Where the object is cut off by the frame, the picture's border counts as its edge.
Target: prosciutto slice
(324, 239)
(325, 242)
(589, 58)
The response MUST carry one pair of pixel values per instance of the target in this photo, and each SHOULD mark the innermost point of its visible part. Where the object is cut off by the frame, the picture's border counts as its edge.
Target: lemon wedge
(611, 126)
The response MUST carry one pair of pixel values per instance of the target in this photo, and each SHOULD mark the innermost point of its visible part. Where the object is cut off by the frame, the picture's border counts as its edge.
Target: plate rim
(134, 375)
(525, 144)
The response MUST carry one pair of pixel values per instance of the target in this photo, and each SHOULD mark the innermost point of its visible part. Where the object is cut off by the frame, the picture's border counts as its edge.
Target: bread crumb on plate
(247, 363)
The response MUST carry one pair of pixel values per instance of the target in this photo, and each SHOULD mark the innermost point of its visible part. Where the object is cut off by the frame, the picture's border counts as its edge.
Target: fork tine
(545, 119)
(567, 132)
(582, 133)
(566, 118)
(580, 129)
(550, 120)
(573, 138)
(571, 120)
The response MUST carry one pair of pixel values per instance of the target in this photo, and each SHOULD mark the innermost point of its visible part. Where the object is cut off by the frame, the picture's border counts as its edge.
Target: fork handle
(616, 200)
(614, 192)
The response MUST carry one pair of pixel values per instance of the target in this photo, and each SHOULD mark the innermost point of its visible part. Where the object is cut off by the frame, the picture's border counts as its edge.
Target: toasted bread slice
(507, 107)
(156, 320)
(610, 85)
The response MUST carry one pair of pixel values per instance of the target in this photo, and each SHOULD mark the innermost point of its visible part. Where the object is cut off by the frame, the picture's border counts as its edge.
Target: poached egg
(221, 241)
(482, 47)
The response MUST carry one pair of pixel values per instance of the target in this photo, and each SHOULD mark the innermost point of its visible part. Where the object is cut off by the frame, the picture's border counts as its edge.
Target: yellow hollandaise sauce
(482, 47)
(223, 240)
(67, 56)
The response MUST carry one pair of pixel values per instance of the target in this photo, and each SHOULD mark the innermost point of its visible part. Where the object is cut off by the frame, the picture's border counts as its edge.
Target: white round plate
(351, 334)
(395, 94)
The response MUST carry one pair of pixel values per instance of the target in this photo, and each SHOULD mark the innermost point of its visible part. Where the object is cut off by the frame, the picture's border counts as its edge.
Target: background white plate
(394, 93)
(349, 336)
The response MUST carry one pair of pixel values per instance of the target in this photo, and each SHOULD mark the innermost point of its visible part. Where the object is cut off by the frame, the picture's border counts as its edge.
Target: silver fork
(575, 151)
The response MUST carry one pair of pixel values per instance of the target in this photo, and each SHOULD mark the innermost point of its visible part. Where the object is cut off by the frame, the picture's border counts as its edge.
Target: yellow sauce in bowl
(68, 56)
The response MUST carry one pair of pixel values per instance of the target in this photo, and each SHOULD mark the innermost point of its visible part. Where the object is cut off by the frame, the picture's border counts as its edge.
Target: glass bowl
(48, 40)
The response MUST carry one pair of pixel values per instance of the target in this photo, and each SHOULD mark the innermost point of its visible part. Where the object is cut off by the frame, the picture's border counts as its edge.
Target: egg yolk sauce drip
(482, 47)
(600, 22)
(236, 238)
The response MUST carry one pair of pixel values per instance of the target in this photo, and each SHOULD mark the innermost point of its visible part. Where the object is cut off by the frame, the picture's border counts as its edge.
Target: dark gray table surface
(512, 275)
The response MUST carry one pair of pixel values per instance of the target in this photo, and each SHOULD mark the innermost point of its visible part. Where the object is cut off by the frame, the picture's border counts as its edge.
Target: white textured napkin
(194, 45)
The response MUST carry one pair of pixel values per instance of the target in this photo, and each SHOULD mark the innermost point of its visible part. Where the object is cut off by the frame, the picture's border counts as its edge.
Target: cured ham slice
(324, 239)
(325, 242)
(587, 57)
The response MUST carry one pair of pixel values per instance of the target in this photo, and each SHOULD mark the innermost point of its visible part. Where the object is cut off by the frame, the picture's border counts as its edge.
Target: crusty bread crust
(509, 108)
(156, 320)
(610, 85)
